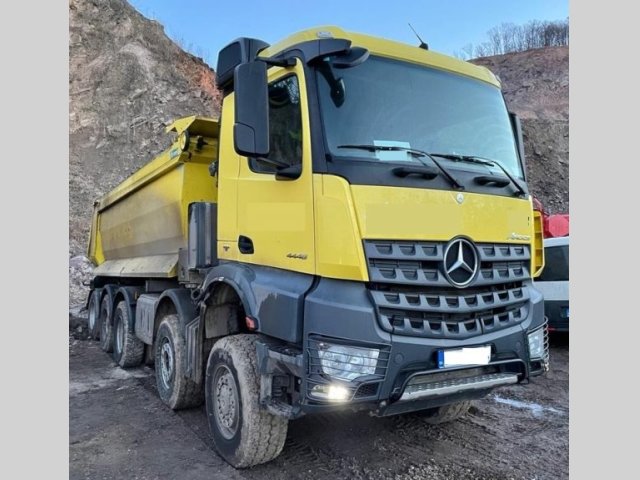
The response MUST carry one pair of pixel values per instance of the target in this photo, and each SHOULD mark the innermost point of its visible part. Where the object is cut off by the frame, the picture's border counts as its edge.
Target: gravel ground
(119, 428)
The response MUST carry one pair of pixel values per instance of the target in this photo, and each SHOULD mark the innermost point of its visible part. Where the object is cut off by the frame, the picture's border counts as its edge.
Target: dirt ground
(119, 428)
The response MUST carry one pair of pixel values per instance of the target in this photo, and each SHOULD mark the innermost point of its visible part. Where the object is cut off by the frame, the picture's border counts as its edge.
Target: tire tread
(186, 393)
(133, 347)
(266, 433)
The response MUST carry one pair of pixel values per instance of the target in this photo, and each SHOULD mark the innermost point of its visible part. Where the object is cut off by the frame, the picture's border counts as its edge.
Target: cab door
(275, 217)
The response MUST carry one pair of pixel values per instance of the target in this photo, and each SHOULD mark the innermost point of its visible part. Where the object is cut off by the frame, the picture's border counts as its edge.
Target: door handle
(245, 244)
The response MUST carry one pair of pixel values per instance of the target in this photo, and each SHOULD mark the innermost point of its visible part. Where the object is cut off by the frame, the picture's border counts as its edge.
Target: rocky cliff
(127, 81)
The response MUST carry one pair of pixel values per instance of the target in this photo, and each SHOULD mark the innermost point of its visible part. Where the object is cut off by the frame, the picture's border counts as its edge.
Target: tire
(445, 413)
(149, 355)
(243, 433)
(175, 390)
(128, 350)
(93, 319)
(106, 325)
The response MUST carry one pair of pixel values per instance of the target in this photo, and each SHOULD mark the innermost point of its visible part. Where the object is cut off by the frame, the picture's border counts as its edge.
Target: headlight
(347, 363)
(537, 345)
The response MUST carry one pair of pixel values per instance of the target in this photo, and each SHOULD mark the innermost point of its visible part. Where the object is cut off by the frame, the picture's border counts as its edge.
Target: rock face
(127, 81)
(536, 87)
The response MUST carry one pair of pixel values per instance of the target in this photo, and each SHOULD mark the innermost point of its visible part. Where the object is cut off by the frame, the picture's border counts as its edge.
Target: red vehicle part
(556, 225)
(553, 225)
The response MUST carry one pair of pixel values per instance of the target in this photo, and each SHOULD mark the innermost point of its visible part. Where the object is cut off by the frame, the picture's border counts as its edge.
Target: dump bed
(139, 226)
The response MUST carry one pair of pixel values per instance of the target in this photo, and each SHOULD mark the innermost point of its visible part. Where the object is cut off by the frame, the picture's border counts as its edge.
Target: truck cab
(367, 241)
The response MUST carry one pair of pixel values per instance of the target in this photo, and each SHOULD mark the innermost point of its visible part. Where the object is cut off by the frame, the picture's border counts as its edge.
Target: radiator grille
(413, 296)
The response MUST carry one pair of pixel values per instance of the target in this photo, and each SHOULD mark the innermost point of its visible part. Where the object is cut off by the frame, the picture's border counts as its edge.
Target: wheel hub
(225, 402)
(166, 363)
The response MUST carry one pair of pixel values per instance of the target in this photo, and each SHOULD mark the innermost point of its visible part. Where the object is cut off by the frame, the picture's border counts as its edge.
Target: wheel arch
(216, 317)
(267, 295)
(178, 301)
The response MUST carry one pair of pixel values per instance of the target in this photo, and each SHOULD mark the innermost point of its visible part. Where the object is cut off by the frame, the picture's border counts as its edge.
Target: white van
(554, 283)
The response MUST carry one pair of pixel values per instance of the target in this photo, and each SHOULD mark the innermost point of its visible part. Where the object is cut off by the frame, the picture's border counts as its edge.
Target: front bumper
(407, 377)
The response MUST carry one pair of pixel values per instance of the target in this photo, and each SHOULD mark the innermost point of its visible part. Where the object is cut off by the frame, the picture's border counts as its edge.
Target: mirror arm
(279, 62)
(275, 163)
(292, 172)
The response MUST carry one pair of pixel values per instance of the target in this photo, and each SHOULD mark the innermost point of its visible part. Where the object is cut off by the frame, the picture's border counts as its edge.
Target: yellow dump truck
(354, 231)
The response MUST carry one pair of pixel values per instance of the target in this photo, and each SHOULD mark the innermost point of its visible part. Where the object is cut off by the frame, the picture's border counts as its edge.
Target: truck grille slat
(450, 303)
(413, 296)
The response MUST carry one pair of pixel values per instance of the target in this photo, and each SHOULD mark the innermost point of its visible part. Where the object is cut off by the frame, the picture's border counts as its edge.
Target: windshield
(384, 102)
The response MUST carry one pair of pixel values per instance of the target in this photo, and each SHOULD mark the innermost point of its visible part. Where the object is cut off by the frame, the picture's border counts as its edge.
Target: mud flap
(281, 368)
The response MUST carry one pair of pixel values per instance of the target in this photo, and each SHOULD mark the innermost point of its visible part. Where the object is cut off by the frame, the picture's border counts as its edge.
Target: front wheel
(243, 433)
(445, 413)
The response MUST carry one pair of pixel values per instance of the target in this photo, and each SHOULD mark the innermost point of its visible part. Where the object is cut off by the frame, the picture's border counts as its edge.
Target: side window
(285, 126)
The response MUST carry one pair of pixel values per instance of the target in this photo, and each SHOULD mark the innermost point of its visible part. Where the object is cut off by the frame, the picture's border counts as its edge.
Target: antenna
(422, 44)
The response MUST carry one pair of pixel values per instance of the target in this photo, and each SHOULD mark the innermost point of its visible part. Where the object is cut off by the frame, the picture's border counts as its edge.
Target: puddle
(536, 409)
(105, 378)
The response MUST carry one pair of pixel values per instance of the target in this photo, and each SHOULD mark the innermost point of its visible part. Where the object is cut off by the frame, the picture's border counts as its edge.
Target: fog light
(536, 345)
(347, 363)
(337, 392)
(333, 392)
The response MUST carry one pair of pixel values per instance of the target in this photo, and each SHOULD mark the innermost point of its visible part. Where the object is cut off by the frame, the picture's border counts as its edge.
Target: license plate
(464, 356)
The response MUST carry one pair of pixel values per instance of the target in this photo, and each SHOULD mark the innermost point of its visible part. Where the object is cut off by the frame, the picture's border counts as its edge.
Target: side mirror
(251, 127)
(516, 126)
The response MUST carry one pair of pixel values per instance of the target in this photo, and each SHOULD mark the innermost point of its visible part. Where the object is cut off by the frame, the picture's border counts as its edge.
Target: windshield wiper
(411, 151)
(483, 161)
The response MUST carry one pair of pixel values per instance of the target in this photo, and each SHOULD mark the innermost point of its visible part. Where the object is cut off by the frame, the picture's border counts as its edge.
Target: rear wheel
(93, 320)
(175, 390)
(243, 433)
(106, 325)
(128, 349)
(149, 355)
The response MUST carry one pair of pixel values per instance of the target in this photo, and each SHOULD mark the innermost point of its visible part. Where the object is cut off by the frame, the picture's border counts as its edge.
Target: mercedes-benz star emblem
(460, 262)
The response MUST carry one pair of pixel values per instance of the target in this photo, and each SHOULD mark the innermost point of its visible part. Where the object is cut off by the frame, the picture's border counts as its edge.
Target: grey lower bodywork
(274, 297)
(294, 311)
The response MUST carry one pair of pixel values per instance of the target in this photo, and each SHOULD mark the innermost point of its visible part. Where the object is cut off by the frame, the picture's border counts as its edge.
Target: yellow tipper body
(139, 226)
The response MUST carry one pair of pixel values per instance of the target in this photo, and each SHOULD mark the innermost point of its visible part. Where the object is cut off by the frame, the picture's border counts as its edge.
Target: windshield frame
(330, 157)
